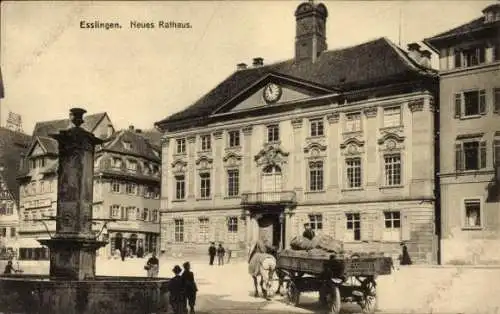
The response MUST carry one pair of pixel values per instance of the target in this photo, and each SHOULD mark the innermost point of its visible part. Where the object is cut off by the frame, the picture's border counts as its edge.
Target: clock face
(272, 93)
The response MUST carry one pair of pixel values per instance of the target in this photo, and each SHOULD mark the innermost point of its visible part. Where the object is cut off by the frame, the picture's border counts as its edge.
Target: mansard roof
(140, 145)
(370, 64)
(45, 128)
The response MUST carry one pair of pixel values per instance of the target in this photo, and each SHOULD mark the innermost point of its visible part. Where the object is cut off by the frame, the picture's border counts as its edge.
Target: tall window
(145, 214)
(180, 187)
(179, 230)
(131, 212)
(353, 122)
(470, 103)
(205, 185)
(233, 182)
(117, 163)
(392, 230)
(353, 166)
(132, 165)
(316, 176)
(472, 213)
(316, 222)
(232, 224)
(273, 133)
(13, 232)
(203, 234)
(131, 188)
(154, 215)
(206, 142)
(181, 145)
(317, 127)
(115, 211)
(353, 227)
(234, 138)
(115, 186)
(496, 152)
(392, 116)
(392, 170)
(470, 155)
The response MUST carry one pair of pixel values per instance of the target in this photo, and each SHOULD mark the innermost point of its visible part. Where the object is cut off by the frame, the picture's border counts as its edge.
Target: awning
(29, 242)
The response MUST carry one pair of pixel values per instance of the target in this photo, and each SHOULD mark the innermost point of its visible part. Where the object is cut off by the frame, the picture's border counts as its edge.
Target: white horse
(263, 265)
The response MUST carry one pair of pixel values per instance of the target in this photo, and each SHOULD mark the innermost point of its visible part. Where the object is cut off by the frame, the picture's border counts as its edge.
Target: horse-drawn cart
(337, 278)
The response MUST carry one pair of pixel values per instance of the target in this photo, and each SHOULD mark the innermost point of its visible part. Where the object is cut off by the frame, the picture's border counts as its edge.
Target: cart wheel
(369, 302)
(292, 293)
(334, 300)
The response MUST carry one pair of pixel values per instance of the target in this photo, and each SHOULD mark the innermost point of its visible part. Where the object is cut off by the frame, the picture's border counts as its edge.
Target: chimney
(138, 131)
(258, 62)
(110, 130)
(414, 52)
(131, 127)
(241, 66)
(425, 58)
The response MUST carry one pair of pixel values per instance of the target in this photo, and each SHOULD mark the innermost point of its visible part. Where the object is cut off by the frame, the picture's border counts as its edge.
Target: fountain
(72, 286)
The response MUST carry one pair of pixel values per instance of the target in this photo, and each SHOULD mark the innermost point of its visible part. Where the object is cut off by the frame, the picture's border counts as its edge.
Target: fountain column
(73, 247)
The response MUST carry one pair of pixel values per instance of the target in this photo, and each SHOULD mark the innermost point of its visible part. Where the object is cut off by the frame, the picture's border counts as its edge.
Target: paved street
(228, 289)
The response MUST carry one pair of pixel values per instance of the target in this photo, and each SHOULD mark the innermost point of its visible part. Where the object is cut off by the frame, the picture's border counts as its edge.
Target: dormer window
(132, 165)
(127, 145)
(117, 163)
(492, 13)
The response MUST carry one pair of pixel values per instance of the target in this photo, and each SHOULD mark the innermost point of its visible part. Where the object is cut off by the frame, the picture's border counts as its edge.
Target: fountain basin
(117, 294)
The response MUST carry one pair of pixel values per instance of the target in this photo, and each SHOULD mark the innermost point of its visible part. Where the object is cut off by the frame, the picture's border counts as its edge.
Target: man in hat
(308, 232)
(190, 286)
(177, 292)
(212, 250)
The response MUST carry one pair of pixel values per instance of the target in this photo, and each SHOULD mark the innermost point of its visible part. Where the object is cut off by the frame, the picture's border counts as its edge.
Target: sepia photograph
(250, 156)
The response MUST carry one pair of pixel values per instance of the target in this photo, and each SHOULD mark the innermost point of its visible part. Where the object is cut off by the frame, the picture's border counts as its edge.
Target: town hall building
(342, 140)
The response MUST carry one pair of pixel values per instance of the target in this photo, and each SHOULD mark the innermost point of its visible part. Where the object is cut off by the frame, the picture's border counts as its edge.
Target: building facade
(12, 145)
(470, 138)
(127, 189)
(342, 140)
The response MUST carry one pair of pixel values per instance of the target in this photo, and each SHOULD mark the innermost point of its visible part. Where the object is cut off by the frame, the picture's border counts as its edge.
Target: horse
(262, 264)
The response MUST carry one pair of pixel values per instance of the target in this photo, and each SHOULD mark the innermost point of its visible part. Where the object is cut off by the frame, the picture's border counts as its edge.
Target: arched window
(271, 179)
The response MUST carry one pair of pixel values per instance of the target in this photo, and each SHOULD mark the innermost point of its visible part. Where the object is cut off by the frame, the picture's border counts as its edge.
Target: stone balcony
(269, 198)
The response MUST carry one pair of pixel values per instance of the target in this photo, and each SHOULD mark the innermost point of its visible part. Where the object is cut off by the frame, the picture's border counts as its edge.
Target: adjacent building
(469, 127)
(127, 189)
(13, 145)
(342, 140)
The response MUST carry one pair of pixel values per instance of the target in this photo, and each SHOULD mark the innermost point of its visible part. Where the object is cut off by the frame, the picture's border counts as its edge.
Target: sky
(139, 76)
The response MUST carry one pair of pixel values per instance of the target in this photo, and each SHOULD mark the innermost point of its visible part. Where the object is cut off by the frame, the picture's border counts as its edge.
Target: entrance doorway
(271, 230)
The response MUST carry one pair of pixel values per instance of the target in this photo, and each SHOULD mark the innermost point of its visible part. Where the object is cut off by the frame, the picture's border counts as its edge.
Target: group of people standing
(182, 289)
(220, 251)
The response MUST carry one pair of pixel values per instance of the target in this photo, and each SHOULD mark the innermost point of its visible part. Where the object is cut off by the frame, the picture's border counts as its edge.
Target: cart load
(321, 241)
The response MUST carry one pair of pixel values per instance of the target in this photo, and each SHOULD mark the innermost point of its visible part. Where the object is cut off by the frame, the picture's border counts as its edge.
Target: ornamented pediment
(179, 165)
(391, 141)
(232, 159)
(352, 142)
(204, 162)
(314, 148)
(271, 155)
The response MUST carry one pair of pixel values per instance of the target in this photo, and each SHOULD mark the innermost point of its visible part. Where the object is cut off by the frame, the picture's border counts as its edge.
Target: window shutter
(458, 105)
(496, 152)
(482, 101)
(405, 226)
(378, 226)
(111, 212)
(458, 157)
(482, 155)
(340, 225)
(496, 100)
(457, 58)
(366, 226)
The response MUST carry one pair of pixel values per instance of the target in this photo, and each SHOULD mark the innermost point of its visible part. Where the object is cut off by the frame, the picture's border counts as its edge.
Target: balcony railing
(271, 198)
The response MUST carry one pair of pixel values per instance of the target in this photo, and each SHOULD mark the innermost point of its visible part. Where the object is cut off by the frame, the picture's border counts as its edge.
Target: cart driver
(308, 232)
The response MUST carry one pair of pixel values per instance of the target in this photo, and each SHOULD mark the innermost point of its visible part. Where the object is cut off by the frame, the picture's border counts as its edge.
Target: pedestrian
(229, 252)
(220, 254)
(308, 232)
(405, 256)
(153, 266)
(9, 268)
(176, 289)
(123, 253)
(211, 252)
(190, 286)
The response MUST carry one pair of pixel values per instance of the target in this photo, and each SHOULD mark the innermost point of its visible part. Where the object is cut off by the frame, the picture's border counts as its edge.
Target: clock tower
(310, 39)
